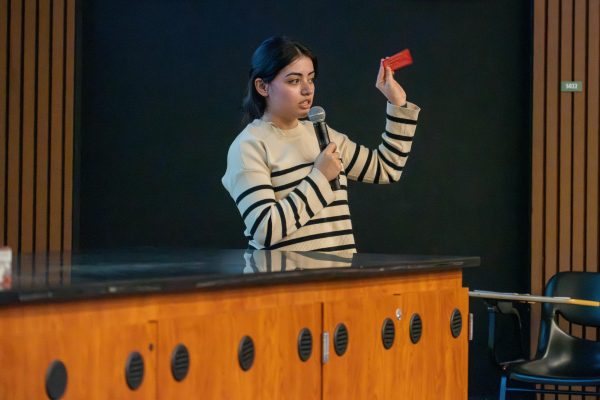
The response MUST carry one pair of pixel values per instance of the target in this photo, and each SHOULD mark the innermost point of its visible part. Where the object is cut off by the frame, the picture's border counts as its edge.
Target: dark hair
(273, 55)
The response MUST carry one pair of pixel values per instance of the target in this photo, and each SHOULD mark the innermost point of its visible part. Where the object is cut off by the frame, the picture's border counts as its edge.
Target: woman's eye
(294, 81)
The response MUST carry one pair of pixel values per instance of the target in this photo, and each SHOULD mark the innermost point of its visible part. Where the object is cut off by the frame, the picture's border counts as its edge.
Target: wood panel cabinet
(94, 337)
(213, 340)
(94, 358)
(366, 369)
(375, 366)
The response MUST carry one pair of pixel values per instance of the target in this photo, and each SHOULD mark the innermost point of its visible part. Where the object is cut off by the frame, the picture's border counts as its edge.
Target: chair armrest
(503, 307)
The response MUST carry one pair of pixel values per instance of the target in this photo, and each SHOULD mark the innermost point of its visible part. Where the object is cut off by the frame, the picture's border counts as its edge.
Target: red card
(399, 60)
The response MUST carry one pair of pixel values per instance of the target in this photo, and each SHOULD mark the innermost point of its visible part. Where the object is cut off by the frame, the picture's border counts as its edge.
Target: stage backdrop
(159, 92)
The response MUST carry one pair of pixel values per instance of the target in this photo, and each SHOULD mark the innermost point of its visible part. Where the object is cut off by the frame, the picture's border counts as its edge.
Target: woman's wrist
(399, 104)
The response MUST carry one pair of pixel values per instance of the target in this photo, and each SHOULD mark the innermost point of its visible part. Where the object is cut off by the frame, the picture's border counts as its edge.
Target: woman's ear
(261, 87)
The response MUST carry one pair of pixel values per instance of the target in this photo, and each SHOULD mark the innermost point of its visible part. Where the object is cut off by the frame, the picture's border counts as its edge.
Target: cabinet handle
(325, 338)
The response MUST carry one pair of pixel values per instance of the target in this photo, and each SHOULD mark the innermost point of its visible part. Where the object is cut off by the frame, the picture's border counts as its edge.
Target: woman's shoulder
(251, 138)
(257, 129)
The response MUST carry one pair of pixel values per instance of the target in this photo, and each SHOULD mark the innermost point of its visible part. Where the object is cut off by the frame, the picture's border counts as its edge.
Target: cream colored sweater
(285, 203)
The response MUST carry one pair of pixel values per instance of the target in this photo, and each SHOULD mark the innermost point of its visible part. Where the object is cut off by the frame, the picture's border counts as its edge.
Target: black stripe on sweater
(291, 169)
(252, 189)
(287, 185)
(311, 237)
(338, 203)
(295, 211)
(399, 137)
(388, 162)
(401, 120)
(366, 166)
(305, 200)
(393, 149)
(377, 173)
(336, 248)
(283, 221)
(259, 220)
(317, 191)
(354, 158)
(328, 219)
(269, 231)
(257, 204)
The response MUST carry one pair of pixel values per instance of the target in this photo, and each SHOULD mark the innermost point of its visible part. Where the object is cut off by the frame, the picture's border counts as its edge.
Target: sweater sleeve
(268, 220)
(384, 164)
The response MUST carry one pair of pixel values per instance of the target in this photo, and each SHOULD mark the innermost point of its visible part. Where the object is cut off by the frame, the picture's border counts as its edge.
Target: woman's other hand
(389, 87)
(328, 162)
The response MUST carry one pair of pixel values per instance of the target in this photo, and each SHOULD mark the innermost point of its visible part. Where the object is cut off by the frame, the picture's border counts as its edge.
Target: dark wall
(161, 84)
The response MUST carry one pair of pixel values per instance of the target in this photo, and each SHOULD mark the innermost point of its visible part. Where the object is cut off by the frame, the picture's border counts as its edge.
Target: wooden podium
(275, 325)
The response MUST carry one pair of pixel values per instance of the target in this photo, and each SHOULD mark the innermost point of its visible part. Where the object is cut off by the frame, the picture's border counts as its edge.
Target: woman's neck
(281, 123)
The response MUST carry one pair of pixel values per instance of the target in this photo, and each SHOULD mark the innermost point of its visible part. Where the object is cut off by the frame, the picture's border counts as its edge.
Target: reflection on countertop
(100, 273)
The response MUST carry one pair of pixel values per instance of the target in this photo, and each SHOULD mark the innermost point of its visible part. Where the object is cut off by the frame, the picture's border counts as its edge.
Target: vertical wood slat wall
(565, 146)
(37, 54)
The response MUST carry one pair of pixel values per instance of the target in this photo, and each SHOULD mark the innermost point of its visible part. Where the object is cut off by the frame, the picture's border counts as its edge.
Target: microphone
(316, 115)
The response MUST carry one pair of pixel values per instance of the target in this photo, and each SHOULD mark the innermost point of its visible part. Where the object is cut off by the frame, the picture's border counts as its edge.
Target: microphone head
(316, 114)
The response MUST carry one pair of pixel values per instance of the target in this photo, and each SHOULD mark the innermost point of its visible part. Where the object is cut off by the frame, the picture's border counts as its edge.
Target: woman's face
(290, 94)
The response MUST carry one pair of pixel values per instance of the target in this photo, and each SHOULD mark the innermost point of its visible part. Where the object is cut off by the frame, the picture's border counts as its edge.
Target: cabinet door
(94, 359)
(434, 367)
(212, 342)
(453, 382)
(367, 370)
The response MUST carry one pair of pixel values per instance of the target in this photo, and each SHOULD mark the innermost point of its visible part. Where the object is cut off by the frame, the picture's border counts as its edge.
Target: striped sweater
(285, 203)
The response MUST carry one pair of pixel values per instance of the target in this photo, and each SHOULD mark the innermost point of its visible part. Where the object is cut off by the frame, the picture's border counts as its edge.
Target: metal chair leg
(502, 395)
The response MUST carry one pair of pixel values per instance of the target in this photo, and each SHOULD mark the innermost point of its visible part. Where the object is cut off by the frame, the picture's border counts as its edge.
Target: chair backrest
(579, 285)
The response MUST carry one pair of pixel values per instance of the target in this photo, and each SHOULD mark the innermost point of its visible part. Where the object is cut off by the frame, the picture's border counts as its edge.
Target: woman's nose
(306, 89)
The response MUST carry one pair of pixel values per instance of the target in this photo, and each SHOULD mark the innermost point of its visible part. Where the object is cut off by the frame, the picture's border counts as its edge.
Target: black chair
(561, 359)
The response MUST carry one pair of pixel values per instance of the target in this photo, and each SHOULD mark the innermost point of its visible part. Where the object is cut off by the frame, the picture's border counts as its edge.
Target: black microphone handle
(335, 184)
(323, 139)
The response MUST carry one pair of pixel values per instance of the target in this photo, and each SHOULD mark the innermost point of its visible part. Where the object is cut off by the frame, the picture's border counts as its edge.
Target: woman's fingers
(380, 74)
(329, 162)
(337, 159)
(385, 75)
(389, 74)
(389, 86)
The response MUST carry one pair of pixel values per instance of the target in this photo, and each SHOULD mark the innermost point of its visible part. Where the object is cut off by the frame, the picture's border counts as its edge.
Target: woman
(277, 174)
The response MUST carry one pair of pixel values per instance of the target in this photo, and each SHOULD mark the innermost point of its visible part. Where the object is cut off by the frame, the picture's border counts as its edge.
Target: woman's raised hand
(389, 87)
(329, 162)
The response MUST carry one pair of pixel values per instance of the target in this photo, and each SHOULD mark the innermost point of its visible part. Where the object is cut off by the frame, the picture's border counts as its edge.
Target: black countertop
(72, 276)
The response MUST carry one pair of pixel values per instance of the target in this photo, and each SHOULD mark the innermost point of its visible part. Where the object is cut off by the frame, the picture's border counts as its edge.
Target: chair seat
(559, 372)
(562, 359)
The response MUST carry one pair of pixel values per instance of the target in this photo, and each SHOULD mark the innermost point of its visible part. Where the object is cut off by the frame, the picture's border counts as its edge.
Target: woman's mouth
(305, 104)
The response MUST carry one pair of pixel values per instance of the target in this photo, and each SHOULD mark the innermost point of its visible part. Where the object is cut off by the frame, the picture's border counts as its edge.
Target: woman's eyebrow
(298, 73)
